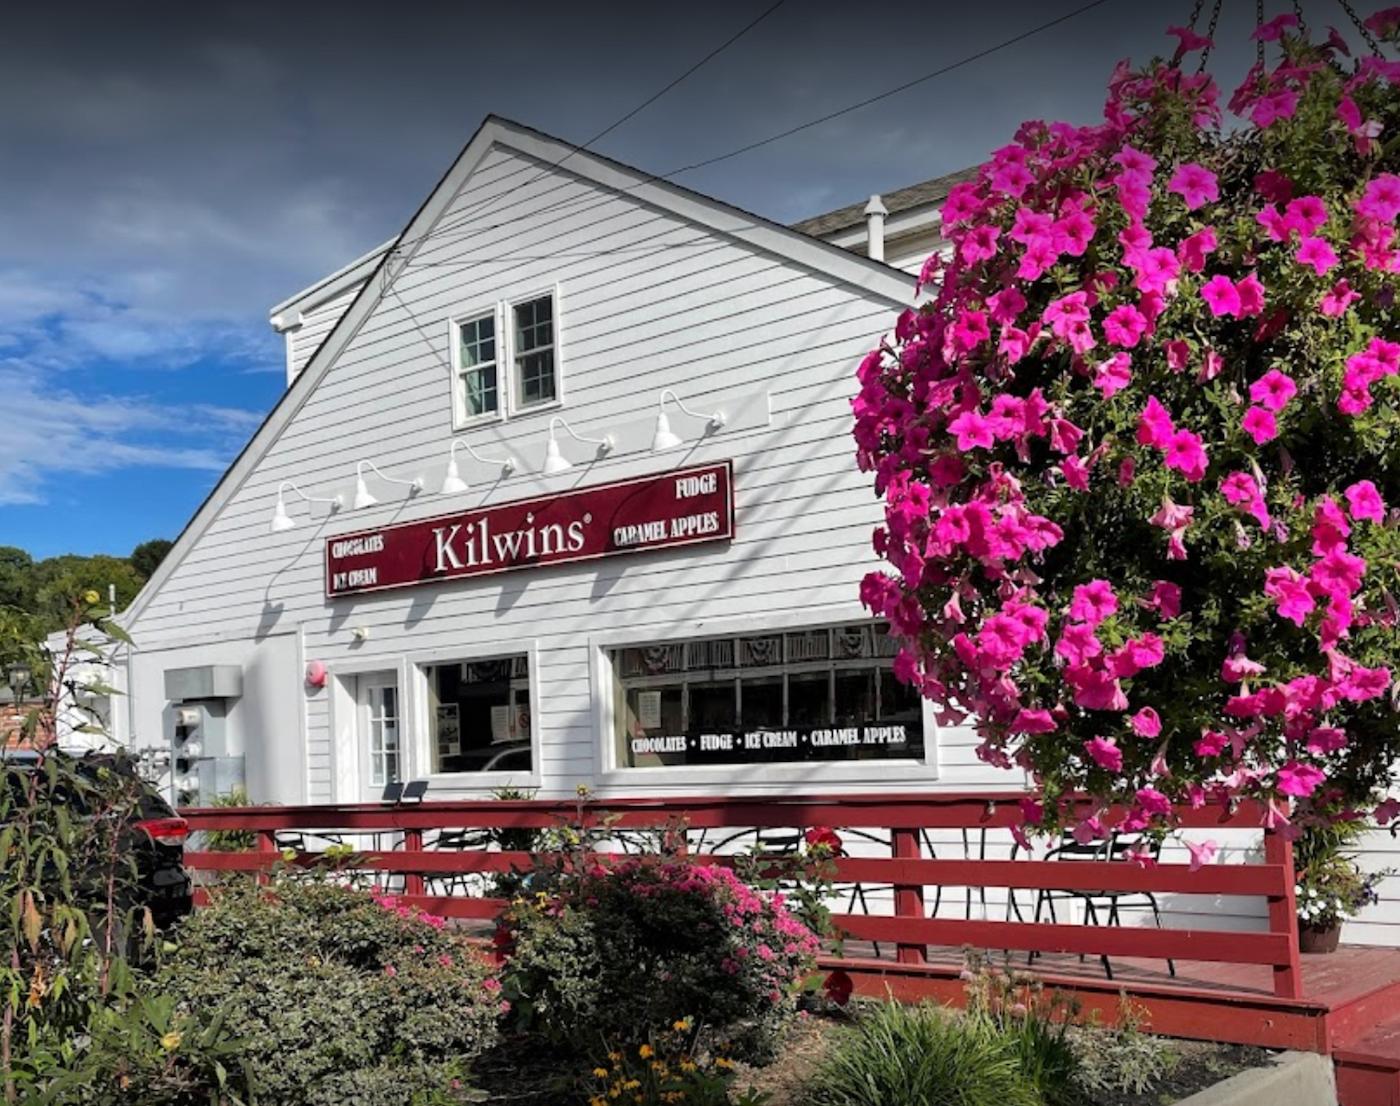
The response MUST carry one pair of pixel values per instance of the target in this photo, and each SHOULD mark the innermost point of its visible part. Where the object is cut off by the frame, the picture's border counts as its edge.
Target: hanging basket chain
(1210, 33)
(1258, 23)
(1357, 22)
(1302, 23)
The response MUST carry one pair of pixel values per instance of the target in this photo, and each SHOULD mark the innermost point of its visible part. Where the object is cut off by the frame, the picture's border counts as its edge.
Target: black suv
(155, 837)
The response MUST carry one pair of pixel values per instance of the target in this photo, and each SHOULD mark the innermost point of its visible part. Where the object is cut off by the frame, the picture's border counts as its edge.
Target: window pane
(761, 703)
(811, 695)
(478, 342)
(534, 352)
(809, 699)
(479, 715)
(479, 386)
(536, 371)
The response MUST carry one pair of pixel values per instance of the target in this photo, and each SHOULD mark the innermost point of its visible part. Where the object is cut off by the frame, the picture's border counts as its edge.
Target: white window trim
(460, 419)
(842, 773)
(343, 716)
(421, 734)
(508, 310)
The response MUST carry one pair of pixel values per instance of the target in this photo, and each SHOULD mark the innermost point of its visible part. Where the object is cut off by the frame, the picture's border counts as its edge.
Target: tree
(59, 579)
(16, 578)
(1138, 453)
(147, 556)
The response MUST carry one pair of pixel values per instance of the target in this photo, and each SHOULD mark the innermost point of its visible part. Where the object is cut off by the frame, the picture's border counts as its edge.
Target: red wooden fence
(900, 821)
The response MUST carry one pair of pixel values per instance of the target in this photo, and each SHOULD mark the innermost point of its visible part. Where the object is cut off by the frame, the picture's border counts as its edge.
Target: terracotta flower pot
(1319, 938)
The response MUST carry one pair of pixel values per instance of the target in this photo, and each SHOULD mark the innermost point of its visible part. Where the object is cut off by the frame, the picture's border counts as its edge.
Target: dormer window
(536, 381)
(505, 360)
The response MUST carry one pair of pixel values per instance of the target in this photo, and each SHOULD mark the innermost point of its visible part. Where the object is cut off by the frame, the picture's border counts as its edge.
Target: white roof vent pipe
(875, 212)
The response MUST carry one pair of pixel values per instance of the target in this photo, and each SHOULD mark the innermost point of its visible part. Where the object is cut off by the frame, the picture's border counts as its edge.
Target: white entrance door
(380, 734)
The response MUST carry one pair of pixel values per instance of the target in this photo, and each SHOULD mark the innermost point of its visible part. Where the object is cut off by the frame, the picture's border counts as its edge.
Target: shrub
(1137, 450)
(1331, 885)
(1120, 1060)
(898, 1055)
(609, 953)
(336, 996)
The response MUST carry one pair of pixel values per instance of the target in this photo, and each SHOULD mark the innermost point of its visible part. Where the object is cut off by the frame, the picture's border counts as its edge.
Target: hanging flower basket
(1319, 938)
(1137, 447)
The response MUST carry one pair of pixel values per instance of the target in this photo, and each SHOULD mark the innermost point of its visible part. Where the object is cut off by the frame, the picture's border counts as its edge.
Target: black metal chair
(1115, 849)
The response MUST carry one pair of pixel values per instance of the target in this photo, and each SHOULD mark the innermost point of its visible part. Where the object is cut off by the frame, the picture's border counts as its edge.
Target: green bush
(337, 997)
(1034, 1022)
(1121, 1060)
(898, 1055)
(609, 954)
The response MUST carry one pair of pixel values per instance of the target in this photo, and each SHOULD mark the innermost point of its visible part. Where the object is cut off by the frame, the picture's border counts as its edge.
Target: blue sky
(181, 168)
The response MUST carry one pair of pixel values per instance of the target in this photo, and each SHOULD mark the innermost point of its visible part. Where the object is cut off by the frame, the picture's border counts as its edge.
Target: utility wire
(592, 201)
(723, 46)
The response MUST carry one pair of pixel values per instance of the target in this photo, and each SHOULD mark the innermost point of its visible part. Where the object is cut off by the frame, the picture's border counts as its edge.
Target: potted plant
(1331, 886)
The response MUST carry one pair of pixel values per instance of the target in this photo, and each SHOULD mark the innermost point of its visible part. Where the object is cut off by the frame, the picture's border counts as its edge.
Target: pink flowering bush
(1138, 446)
(611, 954)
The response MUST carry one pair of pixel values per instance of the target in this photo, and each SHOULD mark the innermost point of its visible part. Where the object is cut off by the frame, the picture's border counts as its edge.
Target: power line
(592, 201)
(723, 46)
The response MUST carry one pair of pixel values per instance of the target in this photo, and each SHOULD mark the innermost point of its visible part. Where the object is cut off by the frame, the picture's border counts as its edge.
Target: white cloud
(49, 432)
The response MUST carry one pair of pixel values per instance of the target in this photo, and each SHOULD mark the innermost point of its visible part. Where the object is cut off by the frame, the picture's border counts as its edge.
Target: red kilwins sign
(631, 516)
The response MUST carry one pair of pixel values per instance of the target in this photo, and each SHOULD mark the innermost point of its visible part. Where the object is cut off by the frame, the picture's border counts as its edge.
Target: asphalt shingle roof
(915, 195)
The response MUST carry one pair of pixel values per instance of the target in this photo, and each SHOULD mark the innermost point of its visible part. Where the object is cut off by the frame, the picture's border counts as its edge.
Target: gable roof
(872, 277)
(933, 191)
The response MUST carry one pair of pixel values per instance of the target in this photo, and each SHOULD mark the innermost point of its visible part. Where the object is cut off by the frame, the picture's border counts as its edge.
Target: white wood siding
(646, 301)
(304, 338)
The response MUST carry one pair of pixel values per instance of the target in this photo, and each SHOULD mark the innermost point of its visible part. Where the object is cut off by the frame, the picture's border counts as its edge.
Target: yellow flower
(171, 1041)
(615, 1057)
(631, 1084)
(601, 1073)
(597, 1100)
(688, 1065)
(646, 1052)
(91, 598)
(658, 1066)
(721, 1062)
(681, 1026)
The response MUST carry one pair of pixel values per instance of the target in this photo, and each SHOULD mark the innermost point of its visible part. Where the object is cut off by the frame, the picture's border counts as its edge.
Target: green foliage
(670, 1066)
(604, 954)
(146, 557)
(1120, 1060)
(1330, 883)
(898, 1055)
(230, 841)
(336, 996)
(1032, 1021)
(143, 1051)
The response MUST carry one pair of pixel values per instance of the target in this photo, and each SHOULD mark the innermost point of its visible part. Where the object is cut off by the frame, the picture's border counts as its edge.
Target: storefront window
(479, 715)
(810, 695)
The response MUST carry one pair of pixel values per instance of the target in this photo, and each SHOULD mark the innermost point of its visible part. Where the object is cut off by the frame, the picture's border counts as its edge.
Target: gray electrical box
(210, 681)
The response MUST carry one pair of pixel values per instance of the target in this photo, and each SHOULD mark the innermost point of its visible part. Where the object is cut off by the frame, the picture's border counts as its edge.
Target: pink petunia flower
(1195, 184)
(1124, 326)
(1260, 424)
(1381, 199)
(1273, 390)
(1105, 754)
(1186, 453)
(1251, 292)
(1146, 723)
(1221, 296)
(1202, 853)
(1195, 248)
(1365, 502)
(1166, 598)
(1337, 299)
(1299, 780)
(1093, 602)
(1113, 375)
(1155, 427)
(1316, 253)
(973, 430)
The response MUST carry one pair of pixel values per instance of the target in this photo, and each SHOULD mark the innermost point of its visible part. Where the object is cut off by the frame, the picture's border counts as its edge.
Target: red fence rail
(902, 823)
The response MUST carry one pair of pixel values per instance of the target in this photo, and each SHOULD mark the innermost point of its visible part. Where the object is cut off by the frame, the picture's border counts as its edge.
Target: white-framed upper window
(535, 372)
(476, 380)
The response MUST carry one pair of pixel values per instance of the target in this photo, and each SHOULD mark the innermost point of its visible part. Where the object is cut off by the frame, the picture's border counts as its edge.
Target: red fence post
(908, 899)
(267, 843)
(1283, 916)
(413, 881)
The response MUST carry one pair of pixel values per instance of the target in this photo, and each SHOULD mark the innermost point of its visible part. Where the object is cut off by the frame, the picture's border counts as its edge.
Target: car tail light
(166, 831)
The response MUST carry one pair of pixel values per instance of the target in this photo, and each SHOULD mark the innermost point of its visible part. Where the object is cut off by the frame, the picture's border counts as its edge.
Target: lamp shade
(452, 482)
(280, 519)
(664, 438)
(363, 498)
(554, 461)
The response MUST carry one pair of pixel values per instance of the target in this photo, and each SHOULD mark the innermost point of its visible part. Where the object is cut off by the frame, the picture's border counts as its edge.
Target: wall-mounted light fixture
(283, 521)
(664, 439)
(364, 499)
(555, 462)
(452, 481)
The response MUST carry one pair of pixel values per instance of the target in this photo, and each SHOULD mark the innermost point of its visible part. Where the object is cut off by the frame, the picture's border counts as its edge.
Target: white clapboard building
(561, 492)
